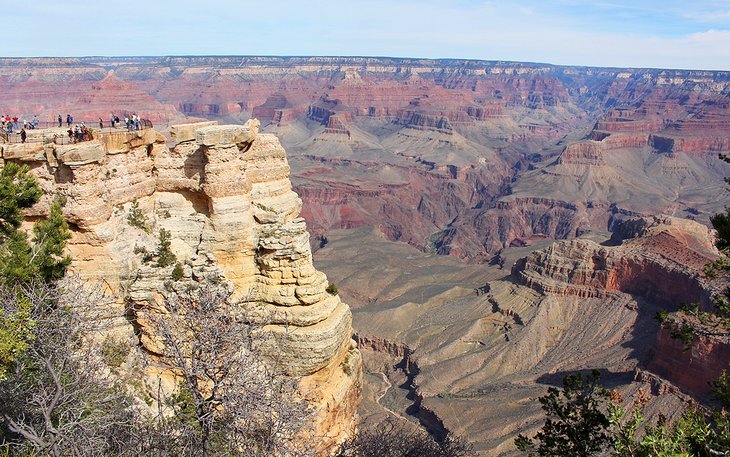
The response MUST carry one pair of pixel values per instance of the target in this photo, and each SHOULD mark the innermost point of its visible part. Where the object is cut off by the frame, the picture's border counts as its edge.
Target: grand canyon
(493, 226)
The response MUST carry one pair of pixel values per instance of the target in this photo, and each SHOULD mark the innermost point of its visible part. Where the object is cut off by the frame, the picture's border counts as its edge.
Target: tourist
(60, 120)
(15, 122)
(69, 120)
(23, 135)
(36, 121)
(101, 124)
(113, 119)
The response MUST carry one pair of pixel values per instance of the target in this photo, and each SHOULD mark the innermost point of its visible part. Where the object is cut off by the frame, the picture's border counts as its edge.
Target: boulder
(223, 135)
(80, 154)
(25, 152)
(186, 132)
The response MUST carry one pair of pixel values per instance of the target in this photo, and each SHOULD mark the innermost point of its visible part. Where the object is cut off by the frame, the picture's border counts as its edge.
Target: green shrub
(141, 250)
(177, 272)
(332, 289)
(114, 352)
(136, 217)
(165, 256)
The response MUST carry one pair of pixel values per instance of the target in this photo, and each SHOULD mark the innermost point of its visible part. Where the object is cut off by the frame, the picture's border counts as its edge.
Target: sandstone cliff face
(223, 192)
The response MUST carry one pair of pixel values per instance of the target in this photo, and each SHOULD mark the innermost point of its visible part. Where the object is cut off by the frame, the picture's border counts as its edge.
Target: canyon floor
(481, 347)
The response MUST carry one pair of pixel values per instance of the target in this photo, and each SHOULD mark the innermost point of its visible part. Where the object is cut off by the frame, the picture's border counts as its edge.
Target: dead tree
(229, 400)
(59, 398)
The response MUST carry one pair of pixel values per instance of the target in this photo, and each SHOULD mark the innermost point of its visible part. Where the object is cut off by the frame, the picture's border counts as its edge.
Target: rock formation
(483, 343)
(223, 193)
(694, 368)
(531, 140)
(662, 261)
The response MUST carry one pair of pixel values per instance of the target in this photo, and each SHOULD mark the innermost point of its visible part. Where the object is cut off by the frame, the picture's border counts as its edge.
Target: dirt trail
(385, 391)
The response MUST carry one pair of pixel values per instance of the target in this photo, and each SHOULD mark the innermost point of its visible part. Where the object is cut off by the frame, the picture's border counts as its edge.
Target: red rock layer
(663, 264)
(695, 368)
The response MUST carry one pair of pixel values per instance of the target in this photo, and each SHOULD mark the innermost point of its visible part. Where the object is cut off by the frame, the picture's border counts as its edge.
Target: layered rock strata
(223, 193)
(661, 261)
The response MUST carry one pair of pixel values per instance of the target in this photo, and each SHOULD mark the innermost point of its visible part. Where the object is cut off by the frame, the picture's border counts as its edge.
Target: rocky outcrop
(693, 368)
(584, 153)
(478, 234)
(662, 263)
(704, 144)
(223, 193)
(424, 121)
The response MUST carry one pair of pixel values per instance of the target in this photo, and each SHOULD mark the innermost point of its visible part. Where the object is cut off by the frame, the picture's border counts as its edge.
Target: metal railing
(41, 134)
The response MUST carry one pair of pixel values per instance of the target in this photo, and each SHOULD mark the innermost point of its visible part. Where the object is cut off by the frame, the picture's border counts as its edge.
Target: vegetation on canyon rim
(63, 386)
(586, 419)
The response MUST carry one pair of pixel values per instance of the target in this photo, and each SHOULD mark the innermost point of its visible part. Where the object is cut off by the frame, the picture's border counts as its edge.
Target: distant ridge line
(225, 61)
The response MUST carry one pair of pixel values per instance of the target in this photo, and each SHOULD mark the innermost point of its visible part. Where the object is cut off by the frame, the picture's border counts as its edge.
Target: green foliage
(575, 425)
(721, 223)
(721, 389)
(683, 331)
(18, 190)
(183, 404)
(661, 315)
(332, 289)
(165, 256)
(693, 434)
(722, 306)
(627, 433)
(15, 259)
(690, 308)
(16, 331)
(177, 272)
(136, 218)
(114, 352)
(146, 256)
(50, 237)
(21, 261)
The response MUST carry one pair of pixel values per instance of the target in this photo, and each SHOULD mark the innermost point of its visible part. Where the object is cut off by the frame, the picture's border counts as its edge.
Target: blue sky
(666, 34)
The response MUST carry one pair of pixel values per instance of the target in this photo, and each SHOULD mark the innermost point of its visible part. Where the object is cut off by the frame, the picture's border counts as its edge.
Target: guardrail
(62, 137)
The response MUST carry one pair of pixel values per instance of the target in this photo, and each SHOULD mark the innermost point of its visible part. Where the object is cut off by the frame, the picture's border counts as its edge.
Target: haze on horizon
(610, 33)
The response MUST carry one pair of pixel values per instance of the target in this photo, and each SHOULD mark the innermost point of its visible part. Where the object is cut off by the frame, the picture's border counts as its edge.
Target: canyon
(461, 157)
(493, 226)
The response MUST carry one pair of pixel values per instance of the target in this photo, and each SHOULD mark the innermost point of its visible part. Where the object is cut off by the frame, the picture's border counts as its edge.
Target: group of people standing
(77, 132)
(13, 124)
(132, 122)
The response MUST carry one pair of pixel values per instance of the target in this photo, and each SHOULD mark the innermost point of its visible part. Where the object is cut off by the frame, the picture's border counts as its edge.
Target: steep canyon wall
(223, 193)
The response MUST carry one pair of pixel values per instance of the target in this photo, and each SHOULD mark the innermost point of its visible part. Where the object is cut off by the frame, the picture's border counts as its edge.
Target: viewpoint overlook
(433, 242)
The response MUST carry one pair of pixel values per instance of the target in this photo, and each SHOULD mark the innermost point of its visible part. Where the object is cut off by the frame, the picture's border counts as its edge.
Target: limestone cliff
(223, 193)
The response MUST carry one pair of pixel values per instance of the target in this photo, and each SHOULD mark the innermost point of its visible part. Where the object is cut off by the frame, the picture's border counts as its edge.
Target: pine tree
(50, 237)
